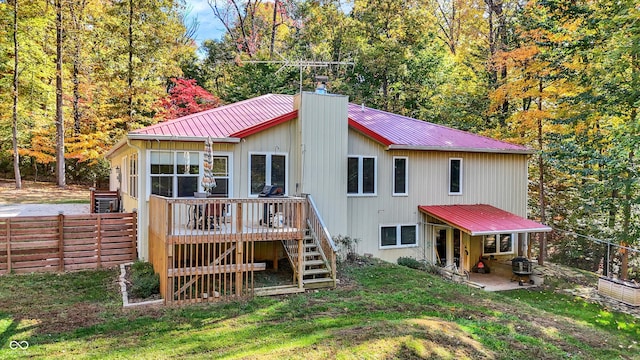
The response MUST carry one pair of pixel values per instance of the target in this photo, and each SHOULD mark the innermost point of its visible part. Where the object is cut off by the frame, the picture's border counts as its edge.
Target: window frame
(124, 171)
(175, 175)
(132, 175)
(360, 192)
(398, 244)
(406, 176)
(228, 177)
(460, 177)
(268, 168)
(498, 239)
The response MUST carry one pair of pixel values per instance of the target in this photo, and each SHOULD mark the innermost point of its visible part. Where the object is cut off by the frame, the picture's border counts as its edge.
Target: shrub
(346, 247)
(410, 263)
(144, 281)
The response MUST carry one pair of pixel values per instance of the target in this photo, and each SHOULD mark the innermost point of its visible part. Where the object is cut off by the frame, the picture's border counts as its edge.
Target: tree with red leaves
(186, 97)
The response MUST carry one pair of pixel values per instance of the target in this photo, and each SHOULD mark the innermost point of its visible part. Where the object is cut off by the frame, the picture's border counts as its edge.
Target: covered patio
(480, 240)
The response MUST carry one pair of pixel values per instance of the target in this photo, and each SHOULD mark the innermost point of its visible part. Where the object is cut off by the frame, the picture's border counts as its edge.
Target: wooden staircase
(317, 272)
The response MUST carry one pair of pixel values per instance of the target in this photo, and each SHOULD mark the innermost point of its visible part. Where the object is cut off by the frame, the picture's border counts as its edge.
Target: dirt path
(41, 199)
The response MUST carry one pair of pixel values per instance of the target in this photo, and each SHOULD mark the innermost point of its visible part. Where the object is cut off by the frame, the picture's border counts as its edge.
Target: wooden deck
(205, 249)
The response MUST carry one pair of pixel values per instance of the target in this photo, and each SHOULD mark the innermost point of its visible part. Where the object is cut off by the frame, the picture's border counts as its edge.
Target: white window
(222, 176)
(497, 244)
(400, 176)
(174, 173)
(267, 169)
(455, 176)
(361, 175)
(394, 236)
(133, 175)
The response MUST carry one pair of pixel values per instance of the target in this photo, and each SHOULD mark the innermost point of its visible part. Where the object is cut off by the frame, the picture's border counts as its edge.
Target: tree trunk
(130, 67)
(60, 165)
(273, 28)
(14, 130)
(77, 28)
(543, 215)
(497, 43)
(626, 222)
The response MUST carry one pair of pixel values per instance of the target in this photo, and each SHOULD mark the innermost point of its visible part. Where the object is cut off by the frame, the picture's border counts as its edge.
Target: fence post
(61, 240)
(92, 200)
(99, 247)
(239, 218)
(8, 245)
(134, 219)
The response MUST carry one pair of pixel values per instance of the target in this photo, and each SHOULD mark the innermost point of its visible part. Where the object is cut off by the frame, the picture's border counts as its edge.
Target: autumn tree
(145, 48)
(538, 80)
(186, 97)
(614, 81)
(32, 76)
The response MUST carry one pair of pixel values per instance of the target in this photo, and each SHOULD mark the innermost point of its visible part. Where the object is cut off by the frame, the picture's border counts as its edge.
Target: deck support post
(239, 275)
(300, 262)
(275, 254)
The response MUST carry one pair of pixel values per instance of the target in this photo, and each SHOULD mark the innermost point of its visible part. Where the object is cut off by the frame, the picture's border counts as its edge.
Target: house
(402, 186)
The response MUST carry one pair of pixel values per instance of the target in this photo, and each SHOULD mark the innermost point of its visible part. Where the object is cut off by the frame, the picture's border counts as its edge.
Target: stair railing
(324, 239)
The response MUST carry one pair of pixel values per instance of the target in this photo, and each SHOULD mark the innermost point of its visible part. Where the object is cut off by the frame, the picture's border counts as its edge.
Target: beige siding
(280, 139)
(324, 132)
(129, 203)
(495, 179)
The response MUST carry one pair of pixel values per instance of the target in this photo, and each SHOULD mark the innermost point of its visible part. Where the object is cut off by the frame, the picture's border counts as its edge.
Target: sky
(209, 27)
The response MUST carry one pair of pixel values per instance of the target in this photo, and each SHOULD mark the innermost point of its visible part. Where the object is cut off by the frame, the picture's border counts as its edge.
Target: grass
(379, 311)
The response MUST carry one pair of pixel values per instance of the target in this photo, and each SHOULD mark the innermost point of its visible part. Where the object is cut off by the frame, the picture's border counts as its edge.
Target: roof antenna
(300, 64)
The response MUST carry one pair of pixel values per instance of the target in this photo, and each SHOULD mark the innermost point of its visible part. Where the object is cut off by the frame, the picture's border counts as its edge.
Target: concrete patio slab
(12, 210)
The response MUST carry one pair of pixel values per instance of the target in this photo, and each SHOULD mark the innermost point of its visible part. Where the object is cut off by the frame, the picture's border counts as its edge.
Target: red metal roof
(251, 116)
(401, 132)
(482, 219)
(224, 121)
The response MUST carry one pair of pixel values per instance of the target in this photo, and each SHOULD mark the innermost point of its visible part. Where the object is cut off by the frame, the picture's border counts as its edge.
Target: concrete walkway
(496, 282)
(12, 210)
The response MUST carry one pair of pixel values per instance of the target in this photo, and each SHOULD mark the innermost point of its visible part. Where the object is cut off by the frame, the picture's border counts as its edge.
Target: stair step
(277, 290)
(312, 253)
(315, 271)
(314, 262)
(318, 280)
(308, 246)
(318, 283)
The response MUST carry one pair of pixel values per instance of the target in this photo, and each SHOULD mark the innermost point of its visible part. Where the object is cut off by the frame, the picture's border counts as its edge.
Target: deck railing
(204, 249)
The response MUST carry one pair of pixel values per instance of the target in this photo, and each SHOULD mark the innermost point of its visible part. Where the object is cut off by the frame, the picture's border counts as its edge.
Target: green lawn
(379, 311)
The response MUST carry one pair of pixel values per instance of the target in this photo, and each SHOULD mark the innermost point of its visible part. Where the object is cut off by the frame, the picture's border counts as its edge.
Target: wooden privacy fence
(67, 242)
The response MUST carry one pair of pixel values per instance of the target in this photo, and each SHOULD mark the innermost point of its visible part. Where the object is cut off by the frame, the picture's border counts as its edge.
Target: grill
(272, 212)
(271, 191)
(522, 268)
